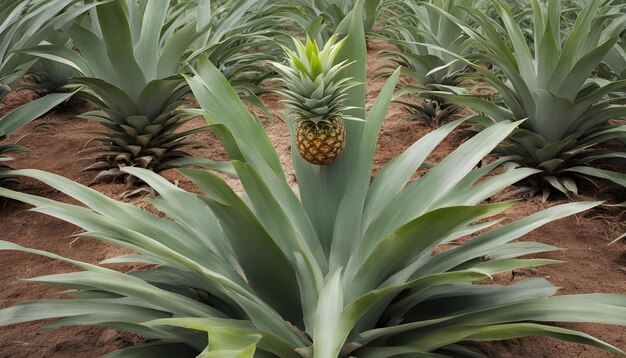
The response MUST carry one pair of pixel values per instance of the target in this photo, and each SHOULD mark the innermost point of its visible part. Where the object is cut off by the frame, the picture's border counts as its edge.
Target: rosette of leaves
(414, 27)
(334, 272)
(430, 109)
(23, 24)
(49, 76)
(568, 113)
(129, 62)
(239, 37)
(130, 55)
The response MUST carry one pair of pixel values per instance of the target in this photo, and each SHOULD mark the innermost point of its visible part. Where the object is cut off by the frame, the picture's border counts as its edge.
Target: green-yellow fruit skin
(321, 144)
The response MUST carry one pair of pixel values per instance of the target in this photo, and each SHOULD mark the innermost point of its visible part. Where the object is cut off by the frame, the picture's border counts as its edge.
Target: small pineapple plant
(433, 112)
(425, 42)
(315, 98)
(49, 76)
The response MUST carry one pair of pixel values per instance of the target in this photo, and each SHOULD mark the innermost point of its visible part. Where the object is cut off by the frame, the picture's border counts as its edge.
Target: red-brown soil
(58, 139)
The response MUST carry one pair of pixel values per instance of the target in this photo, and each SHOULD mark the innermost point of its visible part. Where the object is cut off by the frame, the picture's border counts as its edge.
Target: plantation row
(349, 267)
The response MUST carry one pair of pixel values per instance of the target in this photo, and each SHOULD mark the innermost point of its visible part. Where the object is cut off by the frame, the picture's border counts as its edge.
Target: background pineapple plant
(315, 95)
(130, 60)
(569, 112)
(424, 38)
(24, 24)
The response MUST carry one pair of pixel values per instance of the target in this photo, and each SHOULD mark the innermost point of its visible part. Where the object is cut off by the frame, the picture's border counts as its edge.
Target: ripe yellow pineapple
(314, 96)
(321, 144)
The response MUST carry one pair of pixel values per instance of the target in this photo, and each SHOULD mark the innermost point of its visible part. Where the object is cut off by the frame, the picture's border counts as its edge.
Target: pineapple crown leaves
(309, 60)
(312, 91)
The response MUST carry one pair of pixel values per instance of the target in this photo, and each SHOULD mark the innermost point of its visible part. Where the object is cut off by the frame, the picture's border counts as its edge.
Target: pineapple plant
(135, 81)
(552, 85)
(24, 24)
(423, 38)
(315, 97)
(350, 267)
(430, 111)
(49, 76)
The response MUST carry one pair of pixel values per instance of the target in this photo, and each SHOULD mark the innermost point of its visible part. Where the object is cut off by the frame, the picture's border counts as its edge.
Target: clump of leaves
(424, 39)
(129, 60)
(49, 76)
(568, 114)
(429, 108)
(23, 24)
(27, 23)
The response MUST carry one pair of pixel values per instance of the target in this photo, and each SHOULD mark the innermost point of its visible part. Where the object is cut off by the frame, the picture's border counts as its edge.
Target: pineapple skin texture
(323, 144)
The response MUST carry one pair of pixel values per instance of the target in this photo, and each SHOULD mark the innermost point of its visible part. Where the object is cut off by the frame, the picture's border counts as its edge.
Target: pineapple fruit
(321, 144)
(315, 96)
